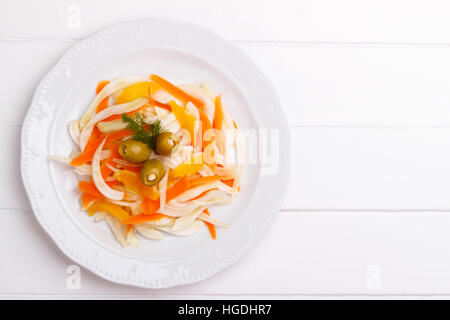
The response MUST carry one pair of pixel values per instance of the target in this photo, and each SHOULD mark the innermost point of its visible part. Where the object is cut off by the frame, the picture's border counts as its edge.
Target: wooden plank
(307, 21)
(303, 253)
(23, 65)
(317, 86)
(369, 169)
(359, 86)
(332, 169)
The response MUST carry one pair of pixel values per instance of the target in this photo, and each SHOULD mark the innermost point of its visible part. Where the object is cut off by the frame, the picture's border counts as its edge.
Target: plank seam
(364, 44)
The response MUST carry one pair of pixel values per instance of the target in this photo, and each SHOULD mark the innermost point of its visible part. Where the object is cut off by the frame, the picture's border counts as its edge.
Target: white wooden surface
(365, 86)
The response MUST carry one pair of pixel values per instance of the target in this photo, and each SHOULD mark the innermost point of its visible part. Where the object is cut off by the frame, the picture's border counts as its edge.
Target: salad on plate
(154, 157)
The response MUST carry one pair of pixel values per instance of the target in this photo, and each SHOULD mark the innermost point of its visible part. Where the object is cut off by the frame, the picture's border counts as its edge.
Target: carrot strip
(112, 183)
(149, 207)
(117, 135)
(94, 141)
(114, 148)
(206, 125)
(201, 194)
(119, 116)
(105, 167)
(178, 188)
(140, 218)
(101, 85)
(113, 117)
(104, 103)
(87, 199)
(131, 113)
(175, 91)
(229, 182)
(218, 114)
(128, 228)
(89, 188)
(105, 170)
(202, 180)
(132, 169)
(211, 227)
(159, 104)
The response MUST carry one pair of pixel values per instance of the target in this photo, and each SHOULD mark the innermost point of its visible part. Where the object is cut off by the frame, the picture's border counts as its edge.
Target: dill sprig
(143, 132)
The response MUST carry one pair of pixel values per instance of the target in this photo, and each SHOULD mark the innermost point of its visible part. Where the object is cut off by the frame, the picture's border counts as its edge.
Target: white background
(365, 87)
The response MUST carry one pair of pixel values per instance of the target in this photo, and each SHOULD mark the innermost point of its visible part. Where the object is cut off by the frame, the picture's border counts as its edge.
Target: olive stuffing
(152, 172)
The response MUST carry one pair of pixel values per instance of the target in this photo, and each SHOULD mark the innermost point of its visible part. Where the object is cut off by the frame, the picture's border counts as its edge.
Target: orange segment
(133, 183)
(186, 120)
(113, 209)
(137, 90)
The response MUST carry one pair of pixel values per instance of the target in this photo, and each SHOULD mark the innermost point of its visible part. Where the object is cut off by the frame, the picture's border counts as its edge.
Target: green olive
(165, 143)
(152, 172)
(134, 151)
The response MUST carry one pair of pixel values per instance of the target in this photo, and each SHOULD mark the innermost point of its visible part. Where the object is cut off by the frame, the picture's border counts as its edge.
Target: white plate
(183, 53)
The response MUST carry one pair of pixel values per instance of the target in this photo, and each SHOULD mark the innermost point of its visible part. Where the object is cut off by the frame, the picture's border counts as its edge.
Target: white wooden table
(365, 86)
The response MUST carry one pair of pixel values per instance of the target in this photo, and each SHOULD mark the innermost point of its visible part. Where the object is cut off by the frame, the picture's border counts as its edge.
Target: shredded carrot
(202, 194)
(113, 117)
(87, 199)
(114, 148)
(94, 141)
(178, 188)
(89, 188)
(202, 180)
(117, 135)
(150, 192)
(140, 218)
(218, 114)
(131, 113)
(175, 91)
(206, 125)
(128, 228)
(104, 103)
(149, 206)
(211, 227)
(112, 183)
(101, 85)
(119, 116)
(229, 182)
(105, 170)
(159, 104)
(133, 169)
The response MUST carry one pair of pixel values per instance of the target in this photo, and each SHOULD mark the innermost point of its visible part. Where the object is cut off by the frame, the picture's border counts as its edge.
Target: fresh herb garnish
(143, 132)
